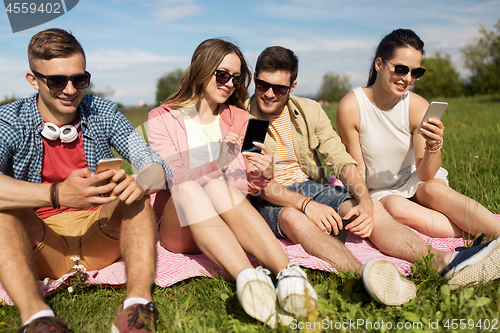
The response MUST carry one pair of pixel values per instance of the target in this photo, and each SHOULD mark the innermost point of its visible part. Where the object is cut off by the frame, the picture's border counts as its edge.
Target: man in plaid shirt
(55, 214)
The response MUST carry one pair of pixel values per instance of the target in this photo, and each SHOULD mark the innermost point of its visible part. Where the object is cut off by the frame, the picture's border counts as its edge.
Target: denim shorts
(332, 196)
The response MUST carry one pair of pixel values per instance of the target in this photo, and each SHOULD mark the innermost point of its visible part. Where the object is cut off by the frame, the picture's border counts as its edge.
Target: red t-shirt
(59, 160)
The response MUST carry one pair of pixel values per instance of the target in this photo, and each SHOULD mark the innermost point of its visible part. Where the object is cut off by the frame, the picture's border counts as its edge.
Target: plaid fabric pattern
(103, 128)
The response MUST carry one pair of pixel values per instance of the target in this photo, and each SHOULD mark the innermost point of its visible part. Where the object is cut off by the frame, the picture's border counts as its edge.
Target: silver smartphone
(107, 164)
(435, 111)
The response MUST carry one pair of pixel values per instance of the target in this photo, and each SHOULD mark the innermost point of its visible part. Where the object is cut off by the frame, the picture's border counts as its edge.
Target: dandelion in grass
(70, 289)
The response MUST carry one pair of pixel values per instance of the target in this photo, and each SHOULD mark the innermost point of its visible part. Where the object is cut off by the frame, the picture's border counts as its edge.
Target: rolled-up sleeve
(131, 146)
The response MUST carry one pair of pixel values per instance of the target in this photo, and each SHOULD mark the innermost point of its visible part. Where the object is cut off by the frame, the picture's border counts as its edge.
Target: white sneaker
(291, 290)
(384, 283)
(257, 296)
(479, 263)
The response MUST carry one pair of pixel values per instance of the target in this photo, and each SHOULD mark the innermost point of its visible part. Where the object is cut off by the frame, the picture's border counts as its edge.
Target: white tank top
(387, 146)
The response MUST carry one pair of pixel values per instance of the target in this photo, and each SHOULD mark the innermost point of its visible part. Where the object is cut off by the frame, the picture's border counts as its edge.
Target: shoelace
(139, 318)
(476, 242)
(291, 270)
(263, 270)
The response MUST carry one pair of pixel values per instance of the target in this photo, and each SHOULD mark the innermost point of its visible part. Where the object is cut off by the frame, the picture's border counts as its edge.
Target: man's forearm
(281, 196)
(17, 194)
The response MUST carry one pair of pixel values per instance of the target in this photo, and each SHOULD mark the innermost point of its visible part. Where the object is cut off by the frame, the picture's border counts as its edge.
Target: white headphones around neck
(67, 133)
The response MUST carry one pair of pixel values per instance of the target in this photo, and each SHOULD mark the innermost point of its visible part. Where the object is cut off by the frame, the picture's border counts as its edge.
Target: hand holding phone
(107, 164)
(435, 111)
(256, 131)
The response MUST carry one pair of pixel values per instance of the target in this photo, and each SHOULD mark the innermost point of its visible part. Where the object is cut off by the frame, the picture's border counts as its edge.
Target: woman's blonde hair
(206, 58)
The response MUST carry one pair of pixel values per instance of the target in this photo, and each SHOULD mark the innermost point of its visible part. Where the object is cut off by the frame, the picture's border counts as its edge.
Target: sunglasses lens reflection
(58, 82)
(402, 70)
(417, 73)
(81, 81)
(264, 86)
(222, 77)
(280, 91)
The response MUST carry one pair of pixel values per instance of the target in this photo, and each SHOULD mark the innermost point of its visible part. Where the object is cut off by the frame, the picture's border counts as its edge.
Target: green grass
(470, 154)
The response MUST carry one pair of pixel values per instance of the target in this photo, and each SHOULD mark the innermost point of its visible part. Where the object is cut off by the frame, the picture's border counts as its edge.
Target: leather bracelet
(304, 204)
(54, 195)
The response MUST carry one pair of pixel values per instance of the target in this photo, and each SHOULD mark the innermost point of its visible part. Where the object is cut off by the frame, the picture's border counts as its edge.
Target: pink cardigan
(167, 136)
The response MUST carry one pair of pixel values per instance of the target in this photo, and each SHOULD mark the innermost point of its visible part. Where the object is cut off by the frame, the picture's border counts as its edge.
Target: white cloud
(174, 10)
(132, 75)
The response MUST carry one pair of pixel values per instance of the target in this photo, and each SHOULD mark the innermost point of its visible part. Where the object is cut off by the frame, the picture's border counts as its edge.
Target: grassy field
(470, 154)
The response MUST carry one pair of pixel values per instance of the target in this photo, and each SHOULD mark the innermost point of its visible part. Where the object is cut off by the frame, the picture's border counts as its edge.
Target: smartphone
(107, 164)
(256, 131)
(435, 110)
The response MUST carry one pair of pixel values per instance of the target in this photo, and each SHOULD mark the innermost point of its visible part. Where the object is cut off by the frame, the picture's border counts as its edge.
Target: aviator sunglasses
(59, 82)
(403, 70)
(223, 77)
(278, 89)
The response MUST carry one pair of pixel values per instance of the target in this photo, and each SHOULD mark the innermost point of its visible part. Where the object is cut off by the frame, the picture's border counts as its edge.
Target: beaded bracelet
(434, 149)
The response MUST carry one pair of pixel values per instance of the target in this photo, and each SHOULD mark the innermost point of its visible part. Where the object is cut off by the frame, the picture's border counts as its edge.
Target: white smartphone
(435, 111)
(107, 164)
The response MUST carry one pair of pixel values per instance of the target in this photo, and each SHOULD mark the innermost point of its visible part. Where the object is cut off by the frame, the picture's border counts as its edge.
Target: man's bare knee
(28, 221)
(113, 214)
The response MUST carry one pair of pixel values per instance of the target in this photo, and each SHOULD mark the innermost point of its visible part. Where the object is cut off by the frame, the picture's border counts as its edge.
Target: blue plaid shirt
(103, 127)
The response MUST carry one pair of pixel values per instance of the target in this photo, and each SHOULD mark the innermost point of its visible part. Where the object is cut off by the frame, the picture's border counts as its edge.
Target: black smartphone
(256, 131)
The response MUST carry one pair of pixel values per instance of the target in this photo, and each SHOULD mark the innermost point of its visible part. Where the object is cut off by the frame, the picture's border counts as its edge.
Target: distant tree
(483, 60)
(168, 84)
(8, 100)
(441, 78)
(334, 87)
(104, 94)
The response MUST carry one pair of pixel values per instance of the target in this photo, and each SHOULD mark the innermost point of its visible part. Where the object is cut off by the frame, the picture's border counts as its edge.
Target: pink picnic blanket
(172, 268)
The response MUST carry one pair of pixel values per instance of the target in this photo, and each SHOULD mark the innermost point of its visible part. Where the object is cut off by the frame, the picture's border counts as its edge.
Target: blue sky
(130, 44)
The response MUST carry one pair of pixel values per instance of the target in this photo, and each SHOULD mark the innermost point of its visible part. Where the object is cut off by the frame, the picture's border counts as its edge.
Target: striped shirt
(287, 170)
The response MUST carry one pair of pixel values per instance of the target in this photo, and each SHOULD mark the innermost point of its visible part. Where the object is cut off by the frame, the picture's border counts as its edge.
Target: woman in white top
(198, 131)
(379, 123)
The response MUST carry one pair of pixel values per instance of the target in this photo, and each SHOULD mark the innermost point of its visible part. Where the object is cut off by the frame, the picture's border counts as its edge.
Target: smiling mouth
(268, 101)
(402, 86)
(67, 100)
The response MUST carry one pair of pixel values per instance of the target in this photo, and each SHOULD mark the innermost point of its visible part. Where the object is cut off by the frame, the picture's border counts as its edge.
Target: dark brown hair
(278, 58)
(390, 43)
(52, 43)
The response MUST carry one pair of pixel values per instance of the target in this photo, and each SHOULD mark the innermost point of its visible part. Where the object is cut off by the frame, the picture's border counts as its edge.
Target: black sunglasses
(278, 89)
(223, 77)
(403, 70)
(59, 82)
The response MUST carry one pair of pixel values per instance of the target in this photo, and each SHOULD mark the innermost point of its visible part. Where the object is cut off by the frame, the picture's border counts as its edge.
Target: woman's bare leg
(247, 225)
(466, 213)
(426, 221)
(204, 230)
